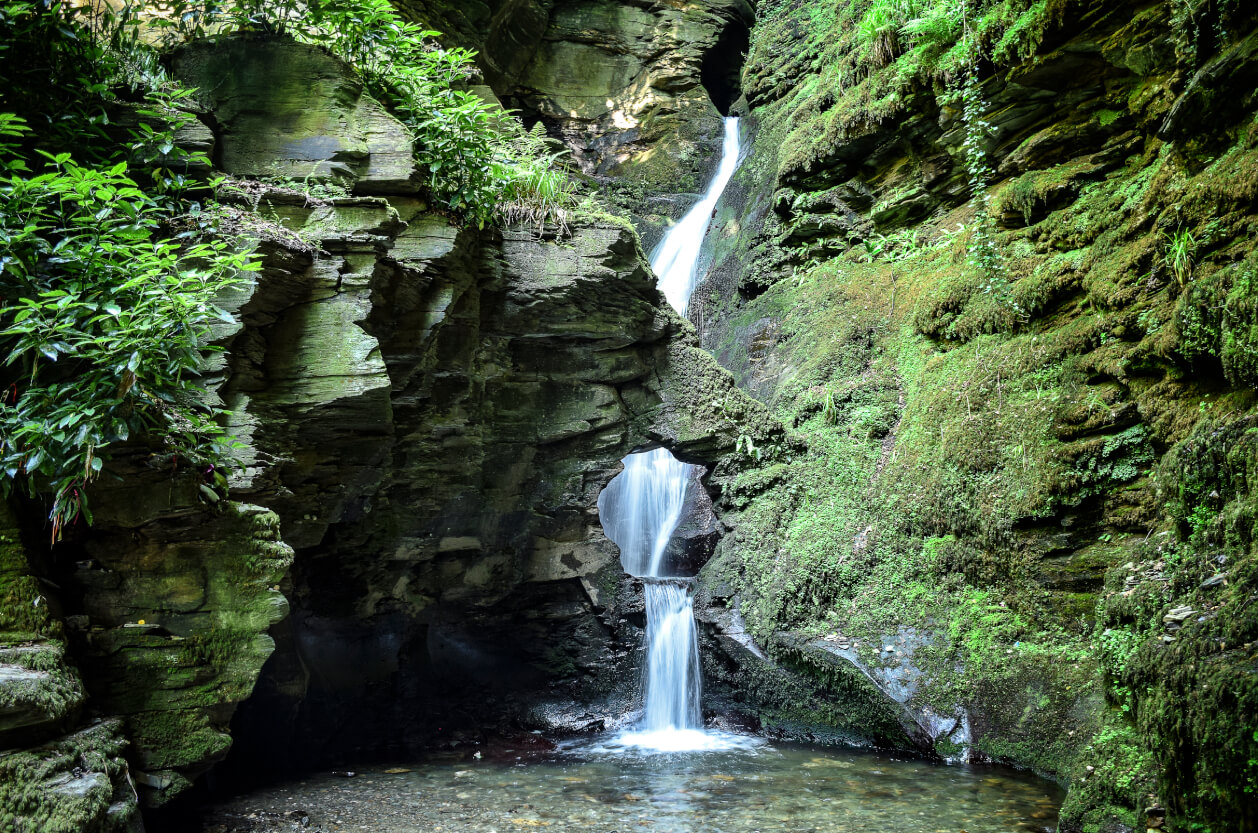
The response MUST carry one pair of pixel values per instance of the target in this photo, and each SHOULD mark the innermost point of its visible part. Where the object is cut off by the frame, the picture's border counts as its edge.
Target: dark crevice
(721, 71)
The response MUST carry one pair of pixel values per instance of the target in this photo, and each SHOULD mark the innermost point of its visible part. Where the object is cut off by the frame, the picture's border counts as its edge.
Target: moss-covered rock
(291, 110)
(170, 626)
(55, 774)
(75, 784)
(982, 456)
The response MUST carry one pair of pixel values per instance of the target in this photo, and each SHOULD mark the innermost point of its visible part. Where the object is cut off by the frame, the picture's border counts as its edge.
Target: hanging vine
(983, 253)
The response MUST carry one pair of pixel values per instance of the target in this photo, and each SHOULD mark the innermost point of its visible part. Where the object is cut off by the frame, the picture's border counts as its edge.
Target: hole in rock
(657, 511)
(721, 71)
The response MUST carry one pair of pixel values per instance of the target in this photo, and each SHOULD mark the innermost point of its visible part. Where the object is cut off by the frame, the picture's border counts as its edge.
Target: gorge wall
(634, 89)
(428, 412)
(1002, 522)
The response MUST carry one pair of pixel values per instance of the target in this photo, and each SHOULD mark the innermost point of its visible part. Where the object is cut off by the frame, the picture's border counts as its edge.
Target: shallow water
(600, 787)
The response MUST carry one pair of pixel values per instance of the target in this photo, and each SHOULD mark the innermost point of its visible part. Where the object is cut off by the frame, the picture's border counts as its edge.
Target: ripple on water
(665, 741)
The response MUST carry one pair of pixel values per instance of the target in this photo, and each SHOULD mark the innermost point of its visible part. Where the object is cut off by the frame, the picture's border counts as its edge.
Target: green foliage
(537, 190)
(890, 27)
(1107, 117)
(456, 132)
(108, 292)
(105, 314)
(480, 162)
(1113, 780)
(1117, 459)
(104, 327)
(1178, 250)
(982, 250)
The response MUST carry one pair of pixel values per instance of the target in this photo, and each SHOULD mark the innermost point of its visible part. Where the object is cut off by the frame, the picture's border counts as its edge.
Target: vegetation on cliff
(115, 248)
(1024, 514)
(106, 307)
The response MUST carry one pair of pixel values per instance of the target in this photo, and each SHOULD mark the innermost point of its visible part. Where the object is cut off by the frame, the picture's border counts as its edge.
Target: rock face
(432, 412)
(515, 373)
(426, 414)
(56, 773)
(635, 90)
(1011, 407)
(245, 82)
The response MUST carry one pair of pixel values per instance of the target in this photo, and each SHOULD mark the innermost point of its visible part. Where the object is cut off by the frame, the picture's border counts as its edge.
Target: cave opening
(657, 511)
(722, 67)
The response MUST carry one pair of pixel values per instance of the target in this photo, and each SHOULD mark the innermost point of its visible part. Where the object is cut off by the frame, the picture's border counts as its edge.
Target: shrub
(104, 322)
(103, 313)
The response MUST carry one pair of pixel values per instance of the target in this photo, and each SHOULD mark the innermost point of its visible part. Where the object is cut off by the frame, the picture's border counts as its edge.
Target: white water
(641, 507)
(677, 255)
(672, 658)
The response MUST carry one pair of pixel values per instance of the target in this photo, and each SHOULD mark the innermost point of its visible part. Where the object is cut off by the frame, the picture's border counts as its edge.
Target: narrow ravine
(662, 770)
(701, 416)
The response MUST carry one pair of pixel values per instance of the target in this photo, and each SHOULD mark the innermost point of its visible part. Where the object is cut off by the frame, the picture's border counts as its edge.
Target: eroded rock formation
(634, 90)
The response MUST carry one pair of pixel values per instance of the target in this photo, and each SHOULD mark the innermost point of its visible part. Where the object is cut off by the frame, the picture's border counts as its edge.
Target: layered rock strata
(634, 90)
(1013, 405)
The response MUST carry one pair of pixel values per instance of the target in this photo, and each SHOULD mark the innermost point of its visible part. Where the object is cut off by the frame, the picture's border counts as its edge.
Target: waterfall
(642, 506)
(676, 257)
(672, 667)
(640, 509)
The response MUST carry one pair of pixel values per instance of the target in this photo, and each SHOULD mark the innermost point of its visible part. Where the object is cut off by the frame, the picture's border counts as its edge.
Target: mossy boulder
(78, 783)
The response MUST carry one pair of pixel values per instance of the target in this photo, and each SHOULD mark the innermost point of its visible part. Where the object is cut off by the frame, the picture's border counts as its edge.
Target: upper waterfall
(642, 505)
(676, 258)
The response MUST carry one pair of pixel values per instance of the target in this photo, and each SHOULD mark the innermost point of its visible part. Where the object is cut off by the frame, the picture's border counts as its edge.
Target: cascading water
(640, 509)
(642, 505)
(676, 257)
(672, 659)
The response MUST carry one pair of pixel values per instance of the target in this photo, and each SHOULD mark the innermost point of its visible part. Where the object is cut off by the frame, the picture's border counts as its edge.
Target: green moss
(974, 459)
(23, 607)
(1035, 193)
(1113, 781)
(1193, 689)
(174, 738)
(33, 794)
(54, 695)
(1217, 318)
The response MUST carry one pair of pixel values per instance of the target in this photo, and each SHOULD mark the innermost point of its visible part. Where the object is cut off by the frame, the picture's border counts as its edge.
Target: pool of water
(602, 786)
